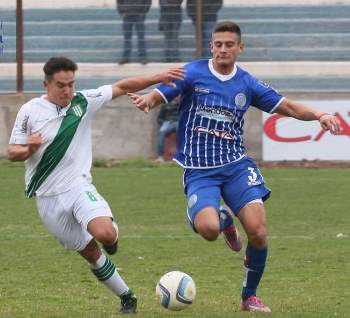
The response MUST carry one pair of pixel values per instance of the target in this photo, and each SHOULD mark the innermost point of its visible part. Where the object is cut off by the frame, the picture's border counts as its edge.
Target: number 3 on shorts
(253, 177)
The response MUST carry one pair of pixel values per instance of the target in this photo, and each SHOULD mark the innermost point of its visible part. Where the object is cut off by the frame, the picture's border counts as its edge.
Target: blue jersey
(210, 132)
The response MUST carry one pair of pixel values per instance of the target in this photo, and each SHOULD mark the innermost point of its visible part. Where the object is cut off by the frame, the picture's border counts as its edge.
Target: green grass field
(308, 272)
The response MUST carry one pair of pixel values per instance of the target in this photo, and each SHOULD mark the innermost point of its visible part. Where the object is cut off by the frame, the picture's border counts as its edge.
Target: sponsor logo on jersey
(240, 100)
(268, 86)
(217, 133)
(24, 124)
(41, 120)
(215, 112)
(94, 94)
(201, 90)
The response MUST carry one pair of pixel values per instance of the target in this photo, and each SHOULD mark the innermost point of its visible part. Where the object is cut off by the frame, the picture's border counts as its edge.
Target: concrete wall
(120, 131)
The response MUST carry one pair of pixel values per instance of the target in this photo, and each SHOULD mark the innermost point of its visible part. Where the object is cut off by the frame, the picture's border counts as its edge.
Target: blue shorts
(237, 183)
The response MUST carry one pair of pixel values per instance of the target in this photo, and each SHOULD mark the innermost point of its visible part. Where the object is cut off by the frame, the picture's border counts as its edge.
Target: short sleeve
(21, 130)
(168, 93)
(97, 97)
(265, 97)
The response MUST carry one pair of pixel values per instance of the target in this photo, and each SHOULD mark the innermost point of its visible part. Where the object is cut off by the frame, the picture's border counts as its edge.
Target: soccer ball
(176, 290)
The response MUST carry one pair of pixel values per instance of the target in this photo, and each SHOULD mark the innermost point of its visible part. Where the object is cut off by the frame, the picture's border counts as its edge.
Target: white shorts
(67, 214)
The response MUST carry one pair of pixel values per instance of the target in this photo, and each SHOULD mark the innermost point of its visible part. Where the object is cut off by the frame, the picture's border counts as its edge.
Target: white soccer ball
(176, 290)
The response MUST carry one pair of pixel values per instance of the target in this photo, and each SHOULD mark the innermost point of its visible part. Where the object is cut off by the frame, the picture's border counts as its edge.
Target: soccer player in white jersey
(216, 93)
(52, 133)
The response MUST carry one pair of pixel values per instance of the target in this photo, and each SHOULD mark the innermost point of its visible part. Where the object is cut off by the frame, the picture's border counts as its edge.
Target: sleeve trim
(162, 95)
(278, 103)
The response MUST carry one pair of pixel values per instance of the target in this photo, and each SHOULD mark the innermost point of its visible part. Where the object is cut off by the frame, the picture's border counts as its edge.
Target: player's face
(60, 89)
(226, 47)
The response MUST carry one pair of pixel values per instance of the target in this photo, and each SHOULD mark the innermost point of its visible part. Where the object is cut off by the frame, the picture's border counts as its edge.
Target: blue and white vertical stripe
(212, 109)
(201, 147)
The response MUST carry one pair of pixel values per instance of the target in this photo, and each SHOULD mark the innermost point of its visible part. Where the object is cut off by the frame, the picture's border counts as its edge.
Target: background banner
(290, 139)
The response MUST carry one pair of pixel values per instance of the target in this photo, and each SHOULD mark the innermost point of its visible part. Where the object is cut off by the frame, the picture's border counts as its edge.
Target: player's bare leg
(106, 231)
(207, 223)
(106, 271)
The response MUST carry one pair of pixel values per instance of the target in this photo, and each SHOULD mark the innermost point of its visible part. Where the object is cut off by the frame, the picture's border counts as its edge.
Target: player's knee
(106, 236)
(210, 232)
(258, 237)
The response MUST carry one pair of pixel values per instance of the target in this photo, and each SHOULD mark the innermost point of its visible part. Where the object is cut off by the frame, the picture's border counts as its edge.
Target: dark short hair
(57, 64)
(227, 26)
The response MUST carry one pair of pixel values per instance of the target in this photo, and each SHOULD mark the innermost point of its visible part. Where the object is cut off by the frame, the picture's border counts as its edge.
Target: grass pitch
(308, 267)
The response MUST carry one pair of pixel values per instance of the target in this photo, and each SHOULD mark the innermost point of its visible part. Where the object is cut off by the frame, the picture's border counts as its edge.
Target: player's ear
(241, 47)
(211, 46)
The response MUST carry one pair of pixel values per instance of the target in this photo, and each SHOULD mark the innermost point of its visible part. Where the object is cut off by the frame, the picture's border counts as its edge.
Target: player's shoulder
(31, 105)
(245, 76)
(243, 73)
(197, 65)
(96, 92)
(196, 69)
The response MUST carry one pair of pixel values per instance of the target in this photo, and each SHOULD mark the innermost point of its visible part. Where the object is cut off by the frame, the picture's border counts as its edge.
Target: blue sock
(225, 218)
(254, 263)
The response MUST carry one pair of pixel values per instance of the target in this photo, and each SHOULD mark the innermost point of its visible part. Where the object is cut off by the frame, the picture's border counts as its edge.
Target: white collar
(221, 77)
(60, 110)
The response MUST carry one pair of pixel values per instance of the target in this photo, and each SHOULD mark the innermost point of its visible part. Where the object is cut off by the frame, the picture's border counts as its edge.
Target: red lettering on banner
(271, 131)
(345, 128)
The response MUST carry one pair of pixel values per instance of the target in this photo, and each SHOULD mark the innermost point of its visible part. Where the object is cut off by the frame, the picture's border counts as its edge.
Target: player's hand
(330, 122)
(140, 102)
(34, 142)
(171, 75)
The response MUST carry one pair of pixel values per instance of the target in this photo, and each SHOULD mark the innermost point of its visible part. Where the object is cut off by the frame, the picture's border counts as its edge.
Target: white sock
(106, 272)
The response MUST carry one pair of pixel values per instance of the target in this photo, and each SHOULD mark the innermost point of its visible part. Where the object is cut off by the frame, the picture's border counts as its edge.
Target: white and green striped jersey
(64, 159)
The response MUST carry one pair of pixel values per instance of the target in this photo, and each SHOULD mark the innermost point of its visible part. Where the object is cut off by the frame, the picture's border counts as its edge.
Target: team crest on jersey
(77, 110)
(240, 100)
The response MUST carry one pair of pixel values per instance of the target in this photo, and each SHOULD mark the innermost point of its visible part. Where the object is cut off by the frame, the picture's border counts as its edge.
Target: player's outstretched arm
(134, 84)
(146, 102)
(300, 111)
(23, 152)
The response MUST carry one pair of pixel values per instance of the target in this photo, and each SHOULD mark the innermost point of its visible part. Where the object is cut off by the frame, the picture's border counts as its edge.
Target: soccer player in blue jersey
(216, 93)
